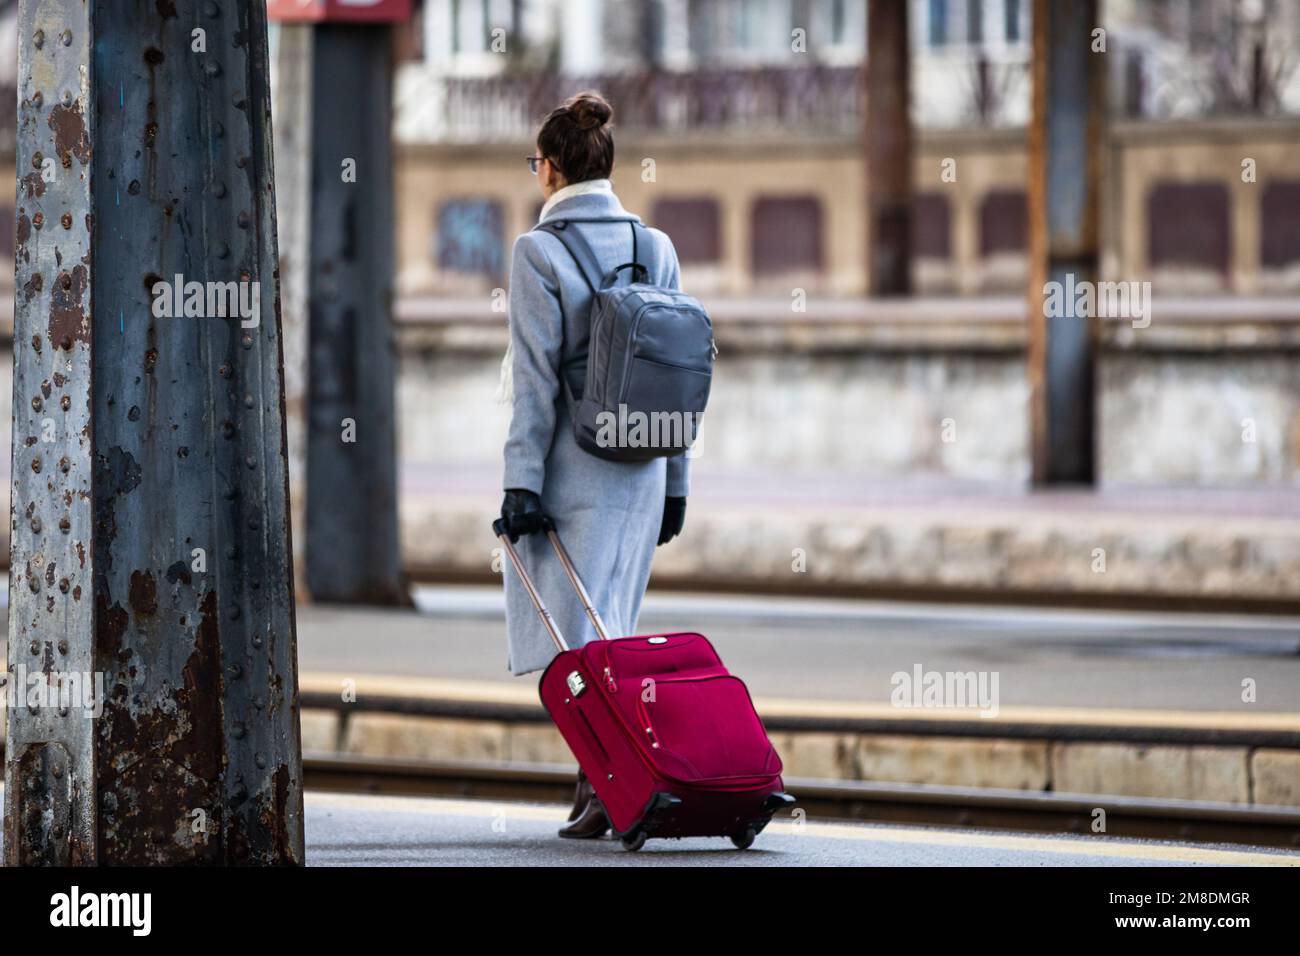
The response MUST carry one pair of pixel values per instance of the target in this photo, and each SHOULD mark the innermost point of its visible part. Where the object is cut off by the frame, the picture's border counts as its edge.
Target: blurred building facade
(744, 141)
(740, 132)
(742, 137)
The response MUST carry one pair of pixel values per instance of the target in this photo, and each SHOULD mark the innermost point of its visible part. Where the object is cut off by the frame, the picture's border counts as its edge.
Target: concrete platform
(358, 830)
(346, 830)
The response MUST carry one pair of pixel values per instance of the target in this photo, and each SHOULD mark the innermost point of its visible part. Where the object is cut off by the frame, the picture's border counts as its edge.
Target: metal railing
(815, 99)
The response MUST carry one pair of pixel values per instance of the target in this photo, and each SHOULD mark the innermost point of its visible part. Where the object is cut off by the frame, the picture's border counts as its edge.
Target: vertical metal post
(150, 546)
(1065, 136)
(49, 751)
(352, 534)
(291, 97)
(889, 149)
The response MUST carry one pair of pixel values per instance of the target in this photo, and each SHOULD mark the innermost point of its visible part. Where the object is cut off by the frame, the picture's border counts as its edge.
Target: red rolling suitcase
(668, 737)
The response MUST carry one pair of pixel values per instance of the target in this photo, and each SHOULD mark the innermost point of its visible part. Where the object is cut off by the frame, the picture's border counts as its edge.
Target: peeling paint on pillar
(179, 447)
(50, 771)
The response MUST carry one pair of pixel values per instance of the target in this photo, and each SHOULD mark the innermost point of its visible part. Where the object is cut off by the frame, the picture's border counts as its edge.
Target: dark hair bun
(589, 110)
(577, 139)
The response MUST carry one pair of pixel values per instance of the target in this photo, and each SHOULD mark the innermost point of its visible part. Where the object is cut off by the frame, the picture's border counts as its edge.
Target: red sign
(339, 11)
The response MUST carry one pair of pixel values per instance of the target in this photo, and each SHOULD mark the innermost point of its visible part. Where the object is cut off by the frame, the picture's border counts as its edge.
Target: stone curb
(1023, 752)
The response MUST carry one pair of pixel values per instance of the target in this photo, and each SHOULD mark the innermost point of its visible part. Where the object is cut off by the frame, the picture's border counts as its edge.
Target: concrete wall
(870, 415)
(1169, 418)
(871, 404)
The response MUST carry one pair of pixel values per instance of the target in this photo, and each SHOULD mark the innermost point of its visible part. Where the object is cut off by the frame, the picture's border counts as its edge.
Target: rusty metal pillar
(889, 149)
(150, 530)
(352, 531)
(1065, 137)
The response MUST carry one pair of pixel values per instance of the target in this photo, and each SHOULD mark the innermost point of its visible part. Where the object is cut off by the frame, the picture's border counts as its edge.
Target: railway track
(915, 804)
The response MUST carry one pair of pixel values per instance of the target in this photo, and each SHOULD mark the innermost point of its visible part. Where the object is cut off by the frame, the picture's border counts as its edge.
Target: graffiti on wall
(469, 237)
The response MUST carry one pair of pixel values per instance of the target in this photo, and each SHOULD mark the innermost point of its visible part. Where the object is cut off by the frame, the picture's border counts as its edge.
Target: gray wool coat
(607, 513)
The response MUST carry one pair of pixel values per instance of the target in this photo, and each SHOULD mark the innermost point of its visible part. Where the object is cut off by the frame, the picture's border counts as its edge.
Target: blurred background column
(1065, 135)
(351, 547)
(291, 94)
(352, 538)
(889, 149)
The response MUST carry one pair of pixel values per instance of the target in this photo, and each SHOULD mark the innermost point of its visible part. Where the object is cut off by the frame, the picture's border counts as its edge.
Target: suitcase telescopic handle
(499, 526)
(567, 563)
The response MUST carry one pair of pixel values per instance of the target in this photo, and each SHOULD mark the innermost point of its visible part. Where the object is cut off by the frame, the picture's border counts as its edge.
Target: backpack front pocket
(662, 402)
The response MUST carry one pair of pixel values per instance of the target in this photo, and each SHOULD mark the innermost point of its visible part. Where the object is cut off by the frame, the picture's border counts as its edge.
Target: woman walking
(612, 514)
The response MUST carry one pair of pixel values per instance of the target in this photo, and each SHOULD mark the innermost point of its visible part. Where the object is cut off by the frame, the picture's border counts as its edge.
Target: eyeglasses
(533, 162)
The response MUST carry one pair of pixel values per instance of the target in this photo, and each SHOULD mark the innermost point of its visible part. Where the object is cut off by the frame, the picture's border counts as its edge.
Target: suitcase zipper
(645, 719)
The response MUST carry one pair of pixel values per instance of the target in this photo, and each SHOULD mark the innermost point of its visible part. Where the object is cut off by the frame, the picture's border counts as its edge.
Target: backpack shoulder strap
(644, 253)
(583, 256)
(572, 240)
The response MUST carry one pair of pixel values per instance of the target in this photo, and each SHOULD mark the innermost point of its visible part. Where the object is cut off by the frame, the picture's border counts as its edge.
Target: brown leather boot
(591, 823)
(582, 795)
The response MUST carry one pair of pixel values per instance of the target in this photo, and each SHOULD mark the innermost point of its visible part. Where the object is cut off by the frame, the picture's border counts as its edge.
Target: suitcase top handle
(535, 596)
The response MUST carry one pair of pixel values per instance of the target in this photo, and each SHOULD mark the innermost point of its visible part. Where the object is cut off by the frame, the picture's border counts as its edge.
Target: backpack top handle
(585, 259)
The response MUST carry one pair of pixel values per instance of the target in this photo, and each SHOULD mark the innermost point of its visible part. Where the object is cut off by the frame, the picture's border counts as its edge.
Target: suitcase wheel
(634, 841)
(744, 839)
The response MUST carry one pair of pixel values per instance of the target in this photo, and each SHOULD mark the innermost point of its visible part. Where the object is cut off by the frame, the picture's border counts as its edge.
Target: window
(694, 225)
(786, 236)
(1004, 221)
(938, 22)
(837, 22)
(931, 226)
(1011, 20)
(975, 22)
(1279, 244)
(1188, 225)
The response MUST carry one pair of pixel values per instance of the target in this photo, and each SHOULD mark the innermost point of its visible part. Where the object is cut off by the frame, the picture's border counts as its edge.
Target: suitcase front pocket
(705, 729)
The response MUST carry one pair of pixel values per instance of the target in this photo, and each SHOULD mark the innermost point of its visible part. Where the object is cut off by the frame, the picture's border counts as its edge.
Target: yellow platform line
(1099, 846)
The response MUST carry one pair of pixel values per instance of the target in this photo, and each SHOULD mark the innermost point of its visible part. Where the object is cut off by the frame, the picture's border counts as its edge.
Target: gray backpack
(649, 359)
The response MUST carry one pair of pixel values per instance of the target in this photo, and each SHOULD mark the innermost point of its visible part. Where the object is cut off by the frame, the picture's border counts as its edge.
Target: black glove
(674, 518)
(521, 513)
